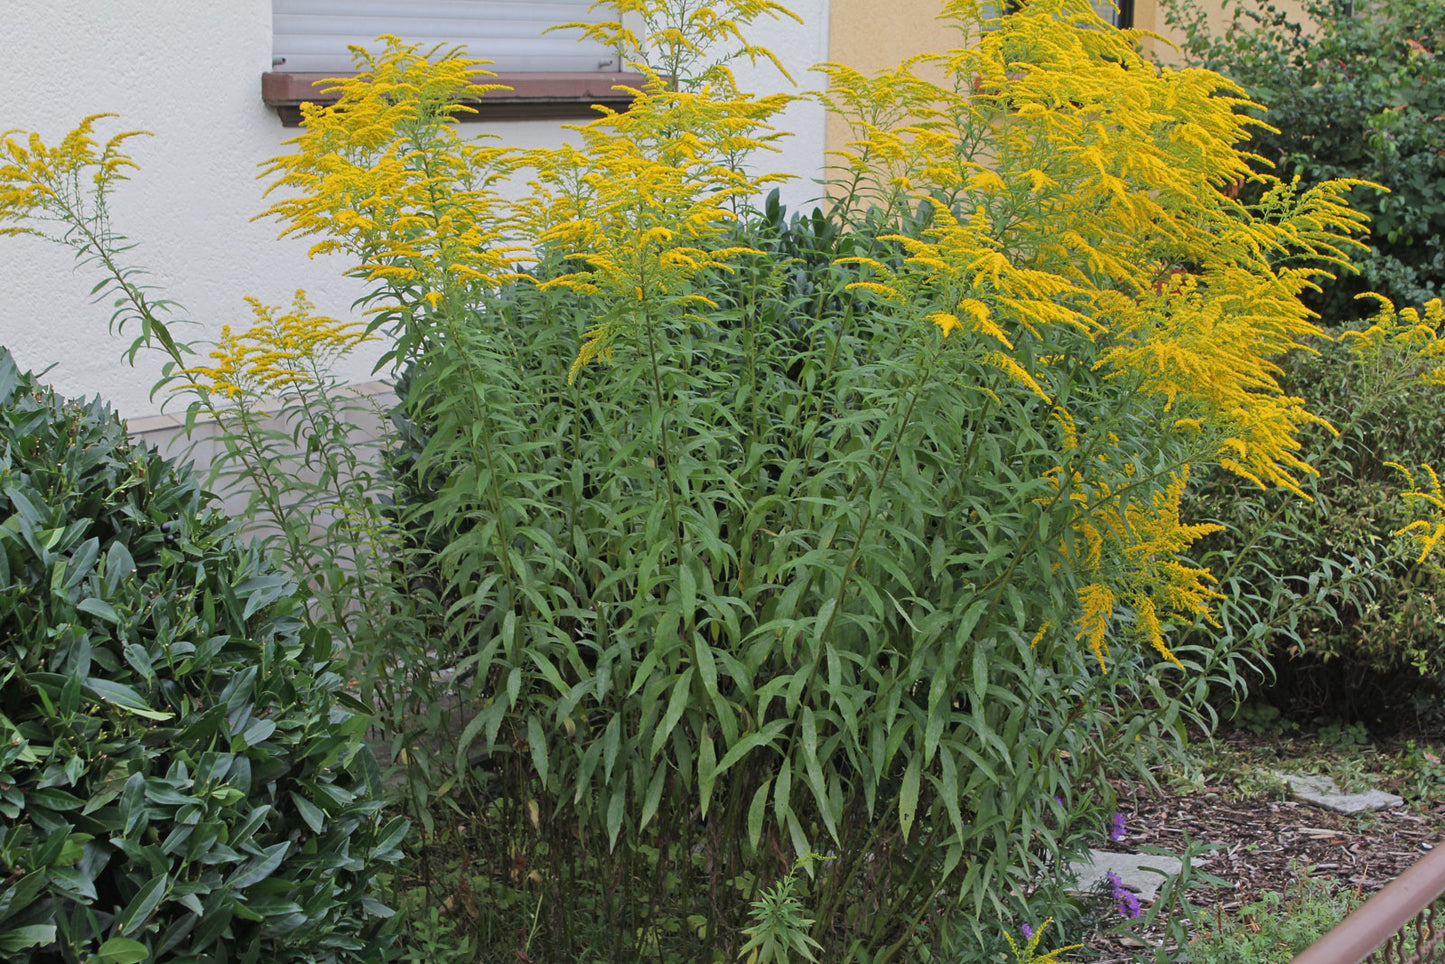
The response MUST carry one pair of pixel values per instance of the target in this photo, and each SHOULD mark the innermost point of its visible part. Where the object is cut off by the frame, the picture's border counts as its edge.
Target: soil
(1265, 842)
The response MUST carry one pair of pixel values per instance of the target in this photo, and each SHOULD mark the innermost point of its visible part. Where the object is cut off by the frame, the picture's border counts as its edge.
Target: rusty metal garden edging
(1380, 929)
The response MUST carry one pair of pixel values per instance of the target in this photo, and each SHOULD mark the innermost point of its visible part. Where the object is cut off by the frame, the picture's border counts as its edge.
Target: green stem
(666, 477)
(483, 415)
(843, 581)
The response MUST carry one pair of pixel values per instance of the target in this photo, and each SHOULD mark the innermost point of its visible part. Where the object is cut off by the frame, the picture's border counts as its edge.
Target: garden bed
(1268, 844)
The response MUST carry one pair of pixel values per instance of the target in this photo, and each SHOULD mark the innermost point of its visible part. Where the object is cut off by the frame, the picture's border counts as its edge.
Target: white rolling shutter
(313, 35)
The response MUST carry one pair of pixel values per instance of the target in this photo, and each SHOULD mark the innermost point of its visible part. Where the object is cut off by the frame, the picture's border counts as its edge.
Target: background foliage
(1361, 95)
(1350, 611)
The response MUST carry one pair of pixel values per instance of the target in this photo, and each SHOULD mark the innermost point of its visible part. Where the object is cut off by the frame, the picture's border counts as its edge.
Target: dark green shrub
(1355, 624)
(180, 780)
(1362, 97)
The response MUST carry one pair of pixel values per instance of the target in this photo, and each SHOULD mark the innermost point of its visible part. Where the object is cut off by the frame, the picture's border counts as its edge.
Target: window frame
(537, 95)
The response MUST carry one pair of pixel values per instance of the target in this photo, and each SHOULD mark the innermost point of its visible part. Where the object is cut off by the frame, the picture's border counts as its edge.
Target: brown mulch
(1265, 843)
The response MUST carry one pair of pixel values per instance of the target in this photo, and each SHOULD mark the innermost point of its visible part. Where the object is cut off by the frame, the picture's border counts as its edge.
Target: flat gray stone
(1138, 872)
(1322, 791)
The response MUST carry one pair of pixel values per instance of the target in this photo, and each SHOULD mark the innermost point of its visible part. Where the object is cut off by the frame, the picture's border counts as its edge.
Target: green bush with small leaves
(179, 778)
(1354, 89)
(1352, 621)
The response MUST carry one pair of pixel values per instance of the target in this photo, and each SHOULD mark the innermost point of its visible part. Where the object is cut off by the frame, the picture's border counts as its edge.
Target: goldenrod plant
(1410, 343)
(733, 537)
(305, 453)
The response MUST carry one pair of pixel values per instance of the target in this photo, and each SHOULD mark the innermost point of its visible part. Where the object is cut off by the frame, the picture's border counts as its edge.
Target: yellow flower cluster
(690, 43)
(1130, 551)
(280, 352)
(410, 200)
(1077, 191)
(639, 200)
(1403, 340)
(1081, 210)
(1407, 345)
(1429, 530)
(1029, 953)
(43, 183)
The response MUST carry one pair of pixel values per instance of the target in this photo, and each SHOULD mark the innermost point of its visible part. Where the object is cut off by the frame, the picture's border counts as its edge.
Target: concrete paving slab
(1322, 791)
(1135, 871)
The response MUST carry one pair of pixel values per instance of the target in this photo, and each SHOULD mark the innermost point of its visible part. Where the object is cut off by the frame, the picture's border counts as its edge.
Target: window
(1121, 15)
(552, 74)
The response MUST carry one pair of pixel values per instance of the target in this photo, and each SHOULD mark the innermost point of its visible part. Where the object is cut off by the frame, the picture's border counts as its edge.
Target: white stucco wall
(798, 46)
(190, 72)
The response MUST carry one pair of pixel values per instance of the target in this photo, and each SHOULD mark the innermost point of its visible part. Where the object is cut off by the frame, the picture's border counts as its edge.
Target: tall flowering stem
(640, 206)
(384, 177)
(1150, 272)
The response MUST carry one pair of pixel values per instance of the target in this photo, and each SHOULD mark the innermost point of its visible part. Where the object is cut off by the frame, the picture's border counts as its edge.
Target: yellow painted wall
(870, 36)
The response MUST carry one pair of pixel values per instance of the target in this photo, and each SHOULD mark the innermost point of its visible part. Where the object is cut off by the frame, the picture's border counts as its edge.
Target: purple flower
(1117, 828)
(1125, 901)
(1027, 931)
(1058, 799)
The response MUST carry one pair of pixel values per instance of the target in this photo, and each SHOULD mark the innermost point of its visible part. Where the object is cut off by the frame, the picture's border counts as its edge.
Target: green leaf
(100, 609)
(615, 809)
(611, 743)
(675, 708)
(16, 897)
(687, 584)
(82, 561)
(259, 867)
(537, 745)
(18, 938)
(142, 904)
(751, 741)
(814, 771)
(118, 694)
(309, 812)
(783, 791)
(948, 790)
(118, 566)
(980, 674)
(706, 771)
(123, 950)
(73, 850)
(469, 734)
(54, 799)
(706, 665)
(390, 839)
(261, 591)
(757, 811)
(654, 795)
(908, 795)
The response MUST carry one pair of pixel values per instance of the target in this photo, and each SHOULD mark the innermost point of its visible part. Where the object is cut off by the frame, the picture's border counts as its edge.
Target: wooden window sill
(534, 96)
